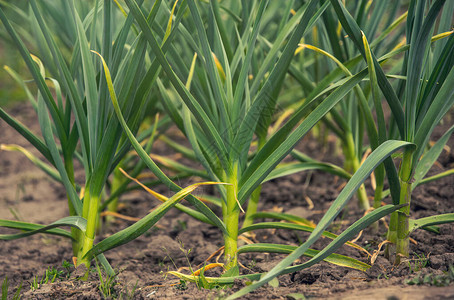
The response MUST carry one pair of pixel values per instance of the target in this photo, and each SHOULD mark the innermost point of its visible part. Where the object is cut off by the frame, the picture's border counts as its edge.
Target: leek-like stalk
(231, 213)
(403, 214)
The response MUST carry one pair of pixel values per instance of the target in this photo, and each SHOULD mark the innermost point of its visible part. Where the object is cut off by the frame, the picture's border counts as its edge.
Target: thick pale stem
(378, 196)
(362, 198)
(392, 236)
(252, 206)
(91, 205)
(402, 243)
(231, 213)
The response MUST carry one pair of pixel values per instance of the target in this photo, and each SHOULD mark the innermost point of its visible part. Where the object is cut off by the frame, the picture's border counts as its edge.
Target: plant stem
(378, 195)
(117, 181)
(231, 213)
(403, 214)
(391, 236)
(91, 205)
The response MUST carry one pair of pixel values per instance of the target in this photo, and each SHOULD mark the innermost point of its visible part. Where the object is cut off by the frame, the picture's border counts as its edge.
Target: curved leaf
(283, 216)
(31, 229)
(429, 158)
(292, 168)
(336, 259)
(290, 226)
(432, 220)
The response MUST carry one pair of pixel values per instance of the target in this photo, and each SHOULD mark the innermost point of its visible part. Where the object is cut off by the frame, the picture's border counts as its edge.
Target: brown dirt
(179, 241)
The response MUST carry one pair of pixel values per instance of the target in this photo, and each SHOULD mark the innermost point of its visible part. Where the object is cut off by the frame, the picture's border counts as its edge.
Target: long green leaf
(443, 101)
(46, 129)
(418, 45)
(429, 221)
(429, 158)
(290, 226)
(67, 80)
(28, 134)
(292, 168)
(31, 229)
(90, 86)
(336, 259)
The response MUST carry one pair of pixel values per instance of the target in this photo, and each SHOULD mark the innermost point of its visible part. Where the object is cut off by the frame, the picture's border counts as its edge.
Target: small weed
(50, 275)
(5, 289)
(419, 263)
(126, 294)
(384, 275)
(34, 285)
(436, 280)
(68, 267)
(252, 264)
(107, 284)
(5, 286)
(182, 286)
(295, 296)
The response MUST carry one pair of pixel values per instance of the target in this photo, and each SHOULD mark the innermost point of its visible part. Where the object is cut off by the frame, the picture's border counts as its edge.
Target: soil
(178, 241)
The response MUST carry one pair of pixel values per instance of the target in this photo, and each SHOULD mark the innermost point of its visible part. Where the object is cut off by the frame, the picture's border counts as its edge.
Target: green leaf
(441, 104)
(46, 129)
(26, 133)
(429, 158)
(274, 283)
(90, 86)
(286, 169)
(283, 216)
(31, 229)
(429, 221)
(336, 259)
(67, 80)
(205, 122)
(52, 172)
(420, 41)
(290, 226)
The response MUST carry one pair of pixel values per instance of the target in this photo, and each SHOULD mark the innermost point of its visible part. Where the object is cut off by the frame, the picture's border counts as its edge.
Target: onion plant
(78, 121)
(418, 104)
(225, 109)
(423, 105)
(225, 100)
